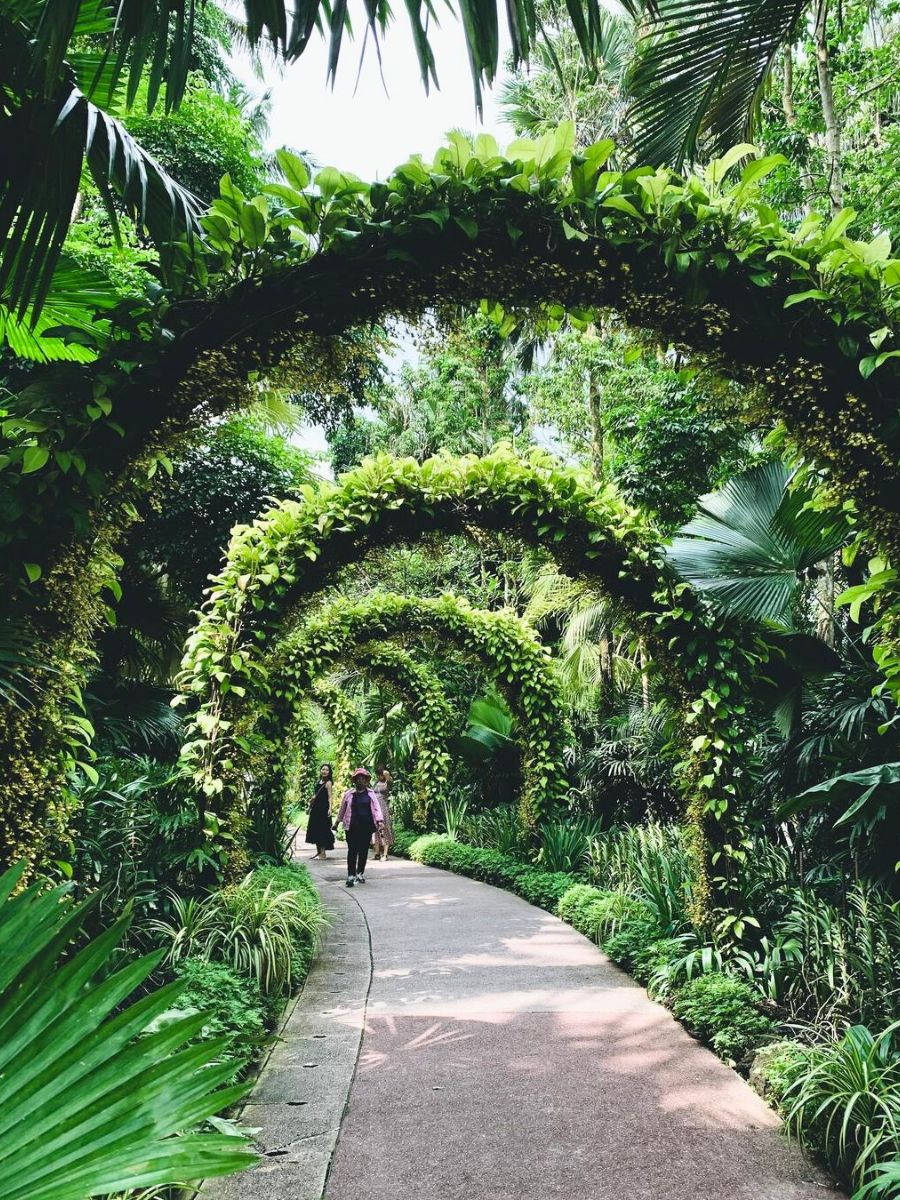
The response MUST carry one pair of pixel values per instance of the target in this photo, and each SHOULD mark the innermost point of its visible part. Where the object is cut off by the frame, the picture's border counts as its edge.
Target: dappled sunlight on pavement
(505, 1058)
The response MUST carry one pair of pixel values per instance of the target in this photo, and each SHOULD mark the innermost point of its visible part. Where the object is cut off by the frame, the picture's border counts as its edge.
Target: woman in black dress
(318, 826)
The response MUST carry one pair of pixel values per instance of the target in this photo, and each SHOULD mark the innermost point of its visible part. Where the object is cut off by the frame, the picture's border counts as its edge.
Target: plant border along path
(503, 1057)
(299, 1100)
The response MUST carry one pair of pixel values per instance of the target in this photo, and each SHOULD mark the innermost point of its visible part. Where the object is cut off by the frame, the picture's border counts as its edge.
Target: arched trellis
(392, 667)
(710, 662)
(697, 261)
(507, 646)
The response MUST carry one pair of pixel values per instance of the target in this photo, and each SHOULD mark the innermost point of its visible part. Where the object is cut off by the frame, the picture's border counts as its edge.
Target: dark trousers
(357, 849)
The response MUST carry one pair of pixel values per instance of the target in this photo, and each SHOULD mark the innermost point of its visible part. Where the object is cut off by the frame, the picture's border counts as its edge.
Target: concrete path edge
(301, 1093)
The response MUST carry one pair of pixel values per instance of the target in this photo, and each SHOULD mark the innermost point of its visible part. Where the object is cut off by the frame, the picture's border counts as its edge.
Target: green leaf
(34, 458)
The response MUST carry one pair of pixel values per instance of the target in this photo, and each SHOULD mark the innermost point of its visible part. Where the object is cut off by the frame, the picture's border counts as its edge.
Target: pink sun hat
(361, 771)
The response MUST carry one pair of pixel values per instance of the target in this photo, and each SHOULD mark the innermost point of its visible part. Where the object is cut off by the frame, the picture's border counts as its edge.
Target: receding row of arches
(261, 619)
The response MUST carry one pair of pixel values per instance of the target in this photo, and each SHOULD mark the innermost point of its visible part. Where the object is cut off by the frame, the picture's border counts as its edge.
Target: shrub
(633, 933)
(723, 1012)
(846, 1097)
(564, 844)
(594, 912)
(235, 1007)
(543, 888)
(265, 927)
(403, 839)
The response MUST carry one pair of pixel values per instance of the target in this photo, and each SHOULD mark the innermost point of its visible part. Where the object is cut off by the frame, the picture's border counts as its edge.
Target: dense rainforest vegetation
(599, 559)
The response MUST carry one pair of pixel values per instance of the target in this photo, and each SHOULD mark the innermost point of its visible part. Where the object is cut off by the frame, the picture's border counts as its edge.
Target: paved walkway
(503, 1058)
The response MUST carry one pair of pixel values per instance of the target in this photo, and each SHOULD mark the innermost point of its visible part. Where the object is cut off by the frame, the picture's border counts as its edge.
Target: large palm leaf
(53, 101)
(90, 1101)
(752, 541)
(700, 70)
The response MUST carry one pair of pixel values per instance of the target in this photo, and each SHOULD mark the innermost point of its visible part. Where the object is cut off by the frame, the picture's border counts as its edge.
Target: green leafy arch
(416, 686)
(709, 663)
(226, 754)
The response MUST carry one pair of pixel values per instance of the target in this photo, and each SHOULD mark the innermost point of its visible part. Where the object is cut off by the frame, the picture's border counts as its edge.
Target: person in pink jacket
(360, 814)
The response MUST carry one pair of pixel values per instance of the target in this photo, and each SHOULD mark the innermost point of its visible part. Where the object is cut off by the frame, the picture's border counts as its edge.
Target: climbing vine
(274, 689)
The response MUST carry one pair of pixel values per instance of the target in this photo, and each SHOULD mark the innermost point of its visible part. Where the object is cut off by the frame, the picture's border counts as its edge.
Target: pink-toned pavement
(454, 1043)
(505, 1058)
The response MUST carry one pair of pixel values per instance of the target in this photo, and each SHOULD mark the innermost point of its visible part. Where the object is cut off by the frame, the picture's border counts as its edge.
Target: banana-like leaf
(699, 73)
(90, 1101)
(38, 192)
(751, 541)
(868, 794)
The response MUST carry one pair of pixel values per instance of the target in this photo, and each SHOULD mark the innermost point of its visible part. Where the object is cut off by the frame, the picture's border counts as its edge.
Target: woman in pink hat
(360, 814)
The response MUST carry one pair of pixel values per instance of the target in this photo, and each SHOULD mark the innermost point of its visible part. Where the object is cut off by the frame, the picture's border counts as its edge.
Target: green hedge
(725, 1013)
(233, 1004)
(541, 888)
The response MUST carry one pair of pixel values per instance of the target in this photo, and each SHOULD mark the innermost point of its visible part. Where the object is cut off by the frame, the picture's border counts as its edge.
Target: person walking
(360, 814)
(318, 825)
(384, 839)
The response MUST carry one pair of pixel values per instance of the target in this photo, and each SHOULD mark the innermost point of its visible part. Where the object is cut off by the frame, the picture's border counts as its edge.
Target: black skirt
(318, 826)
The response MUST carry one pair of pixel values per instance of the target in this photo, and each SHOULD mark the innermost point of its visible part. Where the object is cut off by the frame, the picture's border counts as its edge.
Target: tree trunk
(645, 675)
(787, 87)
(595, 405)
(829, 111)
(825, 597)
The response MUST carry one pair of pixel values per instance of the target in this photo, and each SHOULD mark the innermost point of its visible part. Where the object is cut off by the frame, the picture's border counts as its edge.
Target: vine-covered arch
(709, 662)
(418, 688)
(507, 646)
(807, 319)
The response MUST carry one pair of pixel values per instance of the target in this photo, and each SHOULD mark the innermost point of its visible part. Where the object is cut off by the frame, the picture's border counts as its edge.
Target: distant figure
(385, 838)
(360, 814)
(318, 826)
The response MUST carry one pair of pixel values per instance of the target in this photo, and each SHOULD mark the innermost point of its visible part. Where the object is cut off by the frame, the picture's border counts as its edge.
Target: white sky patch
(371, 126)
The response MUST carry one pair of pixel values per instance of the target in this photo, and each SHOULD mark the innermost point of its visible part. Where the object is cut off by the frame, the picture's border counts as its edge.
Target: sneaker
(349, 881)
(360, 879)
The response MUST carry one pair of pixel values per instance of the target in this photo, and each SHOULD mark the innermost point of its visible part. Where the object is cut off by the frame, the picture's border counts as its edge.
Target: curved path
(503, 1057)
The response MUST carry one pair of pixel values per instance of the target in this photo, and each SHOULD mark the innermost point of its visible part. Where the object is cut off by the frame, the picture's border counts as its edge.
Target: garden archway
(710, 661)
(697, 261)
(504, 643)
(414, 684)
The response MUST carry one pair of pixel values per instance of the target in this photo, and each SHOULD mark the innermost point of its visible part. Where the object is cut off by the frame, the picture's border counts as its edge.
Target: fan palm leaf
(90, 1101)
(752, 541)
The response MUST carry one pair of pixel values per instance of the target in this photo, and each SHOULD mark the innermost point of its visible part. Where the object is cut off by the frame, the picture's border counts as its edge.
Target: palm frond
(67, 328)
(699, 73)
(751, 542)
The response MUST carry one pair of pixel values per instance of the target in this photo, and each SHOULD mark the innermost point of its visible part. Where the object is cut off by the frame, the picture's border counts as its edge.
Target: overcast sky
(371, 126)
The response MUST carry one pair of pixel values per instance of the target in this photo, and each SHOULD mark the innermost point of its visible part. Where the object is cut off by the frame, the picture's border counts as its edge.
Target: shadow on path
(505, 1058)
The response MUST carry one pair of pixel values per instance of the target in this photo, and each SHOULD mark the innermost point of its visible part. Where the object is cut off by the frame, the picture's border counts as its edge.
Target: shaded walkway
(504, 1058)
